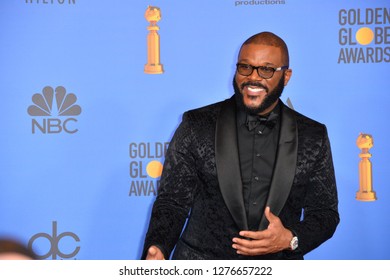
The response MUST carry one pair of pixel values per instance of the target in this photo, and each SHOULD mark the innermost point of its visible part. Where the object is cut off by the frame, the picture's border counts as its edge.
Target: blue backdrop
(84, 129)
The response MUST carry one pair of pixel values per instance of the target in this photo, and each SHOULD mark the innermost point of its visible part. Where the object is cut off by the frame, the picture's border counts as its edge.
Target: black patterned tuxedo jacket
(201, 181)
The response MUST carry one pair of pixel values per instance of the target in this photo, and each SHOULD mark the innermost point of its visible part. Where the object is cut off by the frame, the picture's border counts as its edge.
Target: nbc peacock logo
(45, 110)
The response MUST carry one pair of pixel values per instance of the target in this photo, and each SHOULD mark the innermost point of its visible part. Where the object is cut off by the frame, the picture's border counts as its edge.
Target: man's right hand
(154, 253)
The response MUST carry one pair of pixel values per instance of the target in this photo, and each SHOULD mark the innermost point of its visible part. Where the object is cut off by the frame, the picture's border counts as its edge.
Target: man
(254, 178)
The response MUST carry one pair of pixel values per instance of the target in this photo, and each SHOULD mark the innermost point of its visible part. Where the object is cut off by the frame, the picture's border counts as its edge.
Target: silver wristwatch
(294, 243)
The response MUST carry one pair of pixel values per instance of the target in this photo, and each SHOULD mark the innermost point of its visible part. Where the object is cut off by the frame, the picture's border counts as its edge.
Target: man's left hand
(274, 239)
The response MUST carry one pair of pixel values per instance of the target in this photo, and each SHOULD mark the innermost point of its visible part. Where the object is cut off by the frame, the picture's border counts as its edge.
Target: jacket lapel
(227, 161)
(286, 162)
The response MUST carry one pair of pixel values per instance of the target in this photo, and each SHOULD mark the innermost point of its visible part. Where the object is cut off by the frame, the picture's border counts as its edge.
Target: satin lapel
(286, 162)
(228, 165)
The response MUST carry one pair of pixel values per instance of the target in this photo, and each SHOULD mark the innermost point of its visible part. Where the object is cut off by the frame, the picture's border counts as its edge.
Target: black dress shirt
(257, 151)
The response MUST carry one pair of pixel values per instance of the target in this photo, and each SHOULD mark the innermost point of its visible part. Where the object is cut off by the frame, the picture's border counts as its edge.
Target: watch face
(294, 243)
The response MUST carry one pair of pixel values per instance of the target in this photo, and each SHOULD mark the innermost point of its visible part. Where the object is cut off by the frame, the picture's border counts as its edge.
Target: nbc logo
(64, 107)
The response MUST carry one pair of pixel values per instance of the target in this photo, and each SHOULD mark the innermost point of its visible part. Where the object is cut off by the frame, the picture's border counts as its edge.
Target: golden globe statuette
(365, 193)
(153, 15)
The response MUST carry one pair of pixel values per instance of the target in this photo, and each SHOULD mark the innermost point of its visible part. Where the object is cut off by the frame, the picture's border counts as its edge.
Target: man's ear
(287, 76)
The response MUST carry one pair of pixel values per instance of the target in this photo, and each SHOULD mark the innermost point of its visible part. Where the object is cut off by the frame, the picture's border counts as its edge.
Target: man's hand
(274, 239)
(154, 253)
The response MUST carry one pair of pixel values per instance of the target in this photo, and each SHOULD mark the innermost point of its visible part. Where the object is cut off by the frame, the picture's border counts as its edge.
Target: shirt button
(256, 178)
(259, 132)
(258, 155)
(254, 203)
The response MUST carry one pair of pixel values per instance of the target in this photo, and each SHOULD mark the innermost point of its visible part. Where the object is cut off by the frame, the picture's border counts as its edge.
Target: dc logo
(54, 240)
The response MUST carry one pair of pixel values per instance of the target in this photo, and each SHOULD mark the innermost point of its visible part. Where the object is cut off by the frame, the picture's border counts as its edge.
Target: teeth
(255, 89)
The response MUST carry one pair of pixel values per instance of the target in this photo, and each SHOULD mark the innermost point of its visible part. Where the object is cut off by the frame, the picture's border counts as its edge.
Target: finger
(256, 251)
(254, 234)
(254, 247)
(273, 219)
(249, 247)
(241, 242)
(154, 253)
(268, 214)
(250, 243)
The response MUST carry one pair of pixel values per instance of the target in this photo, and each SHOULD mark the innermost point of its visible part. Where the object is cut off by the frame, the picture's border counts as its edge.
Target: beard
(269, 100)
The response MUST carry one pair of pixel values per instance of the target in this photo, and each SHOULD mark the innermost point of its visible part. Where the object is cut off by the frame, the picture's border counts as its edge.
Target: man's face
(259, 95)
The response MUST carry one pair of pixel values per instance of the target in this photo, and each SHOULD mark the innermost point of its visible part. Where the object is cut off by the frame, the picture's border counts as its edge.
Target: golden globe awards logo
(146, 167)
(364, 35)
(47, 104)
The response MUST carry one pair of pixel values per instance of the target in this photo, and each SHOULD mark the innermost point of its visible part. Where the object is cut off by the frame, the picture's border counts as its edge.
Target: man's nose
(255, 76)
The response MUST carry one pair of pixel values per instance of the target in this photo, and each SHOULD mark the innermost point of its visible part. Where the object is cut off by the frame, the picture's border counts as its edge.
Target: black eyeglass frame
(259, 67)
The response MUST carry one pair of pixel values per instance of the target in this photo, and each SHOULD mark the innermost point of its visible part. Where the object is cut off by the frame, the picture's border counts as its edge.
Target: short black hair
(270, 39)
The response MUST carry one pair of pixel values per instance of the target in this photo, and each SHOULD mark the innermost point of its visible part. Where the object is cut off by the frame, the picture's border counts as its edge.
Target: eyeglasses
(265, 72)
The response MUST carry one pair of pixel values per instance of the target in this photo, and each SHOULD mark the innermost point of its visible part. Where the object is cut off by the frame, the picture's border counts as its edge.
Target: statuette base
(153, 69)
(366, 196)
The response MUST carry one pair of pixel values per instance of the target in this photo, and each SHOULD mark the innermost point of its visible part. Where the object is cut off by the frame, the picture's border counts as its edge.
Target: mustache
(254, 84)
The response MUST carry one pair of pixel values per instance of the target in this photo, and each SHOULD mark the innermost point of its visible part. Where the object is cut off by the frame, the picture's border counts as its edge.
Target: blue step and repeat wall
(84, 129)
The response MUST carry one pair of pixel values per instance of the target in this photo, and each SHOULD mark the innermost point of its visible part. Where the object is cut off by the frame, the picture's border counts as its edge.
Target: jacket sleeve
(175, 194)
(320, 211)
